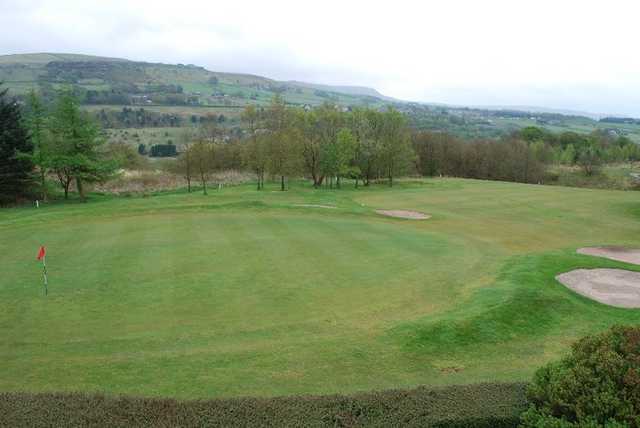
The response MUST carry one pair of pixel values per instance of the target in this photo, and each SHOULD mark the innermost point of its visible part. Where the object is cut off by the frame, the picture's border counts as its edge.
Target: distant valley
(175, 95)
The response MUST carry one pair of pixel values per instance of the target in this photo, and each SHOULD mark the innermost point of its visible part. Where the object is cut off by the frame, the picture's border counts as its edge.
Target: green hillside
(112, 81)
(45, 58)
(109, 86)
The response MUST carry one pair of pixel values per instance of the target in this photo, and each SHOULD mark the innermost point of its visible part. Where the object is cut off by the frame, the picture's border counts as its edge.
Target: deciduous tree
(203, 155)
(256, 157)
(396, 155)
(284, 156)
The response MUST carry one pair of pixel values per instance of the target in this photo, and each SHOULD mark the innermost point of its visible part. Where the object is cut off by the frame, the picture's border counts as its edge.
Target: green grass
(22, 73)
(244, 293)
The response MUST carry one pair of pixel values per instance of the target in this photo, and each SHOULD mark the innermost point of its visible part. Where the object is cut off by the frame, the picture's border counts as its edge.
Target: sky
(565, 54)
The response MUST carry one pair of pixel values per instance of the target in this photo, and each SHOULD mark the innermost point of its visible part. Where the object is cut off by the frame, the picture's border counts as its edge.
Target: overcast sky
(580, 55)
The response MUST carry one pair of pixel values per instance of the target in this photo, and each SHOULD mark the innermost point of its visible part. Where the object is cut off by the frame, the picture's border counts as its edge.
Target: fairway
(269, 293)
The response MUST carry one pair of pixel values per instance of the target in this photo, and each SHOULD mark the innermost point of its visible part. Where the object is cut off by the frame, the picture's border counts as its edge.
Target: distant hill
(115, 81)
(115, 90)
(349, 90)
(44, 58)
(537, 109)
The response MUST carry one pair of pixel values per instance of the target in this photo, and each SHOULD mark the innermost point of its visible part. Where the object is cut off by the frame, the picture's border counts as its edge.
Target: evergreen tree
(16, 166)
(36, 122)
(76, 143)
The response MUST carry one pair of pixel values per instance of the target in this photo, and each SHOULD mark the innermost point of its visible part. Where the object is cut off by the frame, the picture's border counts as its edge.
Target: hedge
(492, 405)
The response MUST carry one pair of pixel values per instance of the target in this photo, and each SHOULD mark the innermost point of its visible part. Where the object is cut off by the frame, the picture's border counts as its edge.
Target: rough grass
(612, 176)
(247, 293)
(484, 405)
(153, 180)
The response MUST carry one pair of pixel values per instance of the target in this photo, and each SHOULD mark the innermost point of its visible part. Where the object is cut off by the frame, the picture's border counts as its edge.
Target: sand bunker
(315, 206)
(411, 215)
(621, 254)
(613, 287)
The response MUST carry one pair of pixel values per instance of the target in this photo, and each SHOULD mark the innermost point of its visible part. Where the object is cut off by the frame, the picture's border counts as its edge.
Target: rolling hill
(177, 94)
(342, 89)
(115, 81)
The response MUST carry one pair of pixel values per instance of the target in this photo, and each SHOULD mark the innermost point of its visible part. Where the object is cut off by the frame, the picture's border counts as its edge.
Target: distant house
(140, 99)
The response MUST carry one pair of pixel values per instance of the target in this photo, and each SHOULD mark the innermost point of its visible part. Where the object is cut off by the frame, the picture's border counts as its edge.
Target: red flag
(41, 252)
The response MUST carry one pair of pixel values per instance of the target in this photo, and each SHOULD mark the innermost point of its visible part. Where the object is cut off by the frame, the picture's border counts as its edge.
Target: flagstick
(44, 272)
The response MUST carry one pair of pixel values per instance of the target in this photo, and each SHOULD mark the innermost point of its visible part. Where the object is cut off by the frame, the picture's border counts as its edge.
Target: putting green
(266, 293)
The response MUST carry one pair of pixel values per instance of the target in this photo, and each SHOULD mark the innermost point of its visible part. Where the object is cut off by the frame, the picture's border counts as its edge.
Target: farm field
(577, 125)
(184, 111)
(148, 136)
(272, 293)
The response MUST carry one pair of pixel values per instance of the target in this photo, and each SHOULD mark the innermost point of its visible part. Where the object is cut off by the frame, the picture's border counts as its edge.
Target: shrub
(163, 150)
(598, 384)
(483, 405)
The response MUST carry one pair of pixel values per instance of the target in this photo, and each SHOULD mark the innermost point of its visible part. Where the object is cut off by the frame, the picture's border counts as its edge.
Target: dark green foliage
(503, 160)
(76, 142)
(163, 151)
(531, 134)
(35, 115)
(589, 159)
(598, 384)
(624, 120)
(16, 166)
(139, 117)
(483, 405)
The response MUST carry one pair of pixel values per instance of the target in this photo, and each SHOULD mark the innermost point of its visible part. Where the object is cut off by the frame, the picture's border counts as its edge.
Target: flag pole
(44, 273)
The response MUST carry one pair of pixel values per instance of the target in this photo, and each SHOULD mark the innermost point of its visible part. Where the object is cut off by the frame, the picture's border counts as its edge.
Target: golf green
(268, 293)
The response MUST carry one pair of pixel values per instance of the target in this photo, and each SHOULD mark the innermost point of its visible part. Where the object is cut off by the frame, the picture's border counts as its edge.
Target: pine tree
(16, 167)
(35, 121)
(76, 143)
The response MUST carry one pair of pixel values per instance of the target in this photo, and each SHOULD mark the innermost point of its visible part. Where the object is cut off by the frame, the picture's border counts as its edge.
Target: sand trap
(411, 215)
(315, 206)
(613, 287)
(621, 254)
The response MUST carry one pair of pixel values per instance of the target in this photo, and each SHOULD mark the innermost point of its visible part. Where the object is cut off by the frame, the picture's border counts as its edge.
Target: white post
(44, 273)
(37, 203)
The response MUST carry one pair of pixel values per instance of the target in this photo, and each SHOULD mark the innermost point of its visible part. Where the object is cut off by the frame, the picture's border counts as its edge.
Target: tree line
(325, 144)
(506, 159)
(522, 156)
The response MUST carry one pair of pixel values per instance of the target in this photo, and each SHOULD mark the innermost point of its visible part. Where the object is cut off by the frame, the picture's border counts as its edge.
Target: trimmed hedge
(483, 405)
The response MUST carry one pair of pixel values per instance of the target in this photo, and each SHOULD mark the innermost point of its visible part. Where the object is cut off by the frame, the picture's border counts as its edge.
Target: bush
(598, 384)
(163, 150)
(484, 405)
